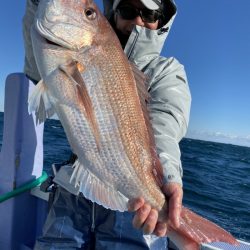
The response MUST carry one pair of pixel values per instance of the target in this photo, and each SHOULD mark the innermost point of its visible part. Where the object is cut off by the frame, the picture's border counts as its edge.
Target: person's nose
(138, 21)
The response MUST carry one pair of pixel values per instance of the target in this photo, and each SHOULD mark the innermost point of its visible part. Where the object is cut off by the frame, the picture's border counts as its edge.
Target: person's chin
(128, 33)
(125, 32)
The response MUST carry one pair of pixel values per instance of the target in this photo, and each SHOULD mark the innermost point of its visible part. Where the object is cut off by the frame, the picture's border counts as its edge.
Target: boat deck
(223, 246)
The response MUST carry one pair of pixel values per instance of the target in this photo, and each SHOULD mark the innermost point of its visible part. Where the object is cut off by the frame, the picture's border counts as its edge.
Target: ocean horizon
(216, 137)
(215, 177)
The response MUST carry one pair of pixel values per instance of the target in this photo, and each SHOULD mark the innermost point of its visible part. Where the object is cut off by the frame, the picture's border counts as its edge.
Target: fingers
(174, 193)
(145, 217)
(141, 216)
(175, 206)
(135, 204)
(150, 222)
(161, 229)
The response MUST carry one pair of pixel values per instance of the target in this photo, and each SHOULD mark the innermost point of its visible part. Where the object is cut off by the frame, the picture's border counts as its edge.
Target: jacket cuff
(172, 171)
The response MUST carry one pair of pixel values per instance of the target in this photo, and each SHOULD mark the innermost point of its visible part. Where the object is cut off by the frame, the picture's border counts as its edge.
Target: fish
(101, 100)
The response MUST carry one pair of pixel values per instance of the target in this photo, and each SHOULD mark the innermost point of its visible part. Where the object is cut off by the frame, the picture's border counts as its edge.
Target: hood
(144, 42)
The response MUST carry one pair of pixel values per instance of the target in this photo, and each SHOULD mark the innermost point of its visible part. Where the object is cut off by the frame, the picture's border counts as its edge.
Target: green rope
(25, 187)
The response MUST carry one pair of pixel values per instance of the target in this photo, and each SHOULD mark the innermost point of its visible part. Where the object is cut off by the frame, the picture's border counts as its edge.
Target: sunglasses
(129, 13)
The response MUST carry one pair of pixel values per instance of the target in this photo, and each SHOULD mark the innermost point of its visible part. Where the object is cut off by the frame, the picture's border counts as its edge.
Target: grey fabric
(30, 68)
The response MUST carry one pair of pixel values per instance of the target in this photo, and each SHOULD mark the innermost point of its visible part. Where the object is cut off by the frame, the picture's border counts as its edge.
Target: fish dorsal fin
(141, 80)
(72, 71)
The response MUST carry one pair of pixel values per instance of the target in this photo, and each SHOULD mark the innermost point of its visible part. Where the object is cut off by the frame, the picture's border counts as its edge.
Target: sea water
(216, 177)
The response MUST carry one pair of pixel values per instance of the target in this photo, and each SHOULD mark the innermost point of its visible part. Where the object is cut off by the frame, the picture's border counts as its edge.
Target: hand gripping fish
(100, 99)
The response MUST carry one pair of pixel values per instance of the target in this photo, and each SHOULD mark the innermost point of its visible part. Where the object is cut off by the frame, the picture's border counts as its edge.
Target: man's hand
(146, 217)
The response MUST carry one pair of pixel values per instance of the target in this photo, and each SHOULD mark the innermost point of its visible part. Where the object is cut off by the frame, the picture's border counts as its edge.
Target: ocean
(216, 177)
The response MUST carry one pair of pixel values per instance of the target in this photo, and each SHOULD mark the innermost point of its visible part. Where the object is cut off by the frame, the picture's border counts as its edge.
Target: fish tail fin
(96, 190)
(195, 230)
(41, 103)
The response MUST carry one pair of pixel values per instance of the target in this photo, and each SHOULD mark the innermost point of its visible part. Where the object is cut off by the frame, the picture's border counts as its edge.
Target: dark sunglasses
(129, 13)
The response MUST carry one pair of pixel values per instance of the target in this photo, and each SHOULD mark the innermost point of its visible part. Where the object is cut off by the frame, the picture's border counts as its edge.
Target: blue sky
(210, 37)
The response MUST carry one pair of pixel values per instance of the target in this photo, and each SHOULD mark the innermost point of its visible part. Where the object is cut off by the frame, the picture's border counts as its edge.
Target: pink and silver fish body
(91, 86)
(100, 99)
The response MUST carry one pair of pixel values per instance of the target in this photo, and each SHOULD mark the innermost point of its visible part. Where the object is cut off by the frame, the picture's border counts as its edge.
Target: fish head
(70, 24)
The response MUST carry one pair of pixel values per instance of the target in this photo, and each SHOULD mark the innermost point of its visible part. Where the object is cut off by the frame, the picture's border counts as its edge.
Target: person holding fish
(141, 26)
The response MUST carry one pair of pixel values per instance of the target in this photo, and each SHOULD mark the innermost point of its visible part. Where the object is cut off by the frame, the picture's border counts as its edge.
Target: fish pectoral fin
(72, 71)
(41, 102)
(96, 190)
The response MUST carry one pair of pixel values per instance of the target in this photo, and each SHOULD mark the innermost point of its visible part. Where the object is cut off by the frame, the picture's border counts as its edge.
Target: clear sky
(210, 37)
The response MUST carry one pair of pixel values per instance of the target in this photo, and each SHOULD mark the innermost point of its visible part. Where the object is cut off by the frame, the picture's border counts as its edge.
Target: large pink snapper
(100, 100)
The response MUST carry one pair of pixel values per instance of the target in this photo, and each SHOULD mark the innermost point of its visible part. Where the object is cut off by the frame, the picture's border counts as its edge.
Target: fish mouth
(56, 41)
(51, 38)
(52, 43)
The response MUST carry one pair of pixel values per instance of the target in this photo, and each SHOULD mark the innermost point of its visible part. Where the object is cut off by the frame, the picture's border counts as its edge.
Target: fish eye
(90, 14)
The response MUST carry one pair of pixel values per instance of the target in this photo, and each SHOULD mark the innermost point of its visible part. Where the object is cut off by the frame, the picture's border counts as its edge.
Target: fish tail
(195, 230)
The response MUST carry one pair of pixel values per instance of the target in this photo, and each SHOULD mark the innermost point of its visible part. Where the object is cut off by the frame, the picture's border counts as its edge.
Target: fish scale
(133, 127)
(120, 100)
(82, 131)
(130, 125)
(114, 99)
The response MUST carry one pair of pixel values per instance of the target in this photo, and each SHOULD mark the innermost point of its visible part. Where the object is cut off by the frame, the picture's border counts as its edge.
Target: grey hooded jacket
(168, 87)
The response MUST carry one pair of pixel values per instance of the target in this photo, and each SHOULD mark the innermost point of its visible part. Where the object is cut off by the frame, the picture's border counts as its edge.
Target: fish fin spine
(41, 102)
(97, 191)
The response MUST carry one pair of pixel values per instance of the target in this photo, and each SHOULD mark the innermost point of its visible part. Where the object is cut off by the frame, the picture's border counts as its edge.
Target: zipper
(93, 218)
(133, 45)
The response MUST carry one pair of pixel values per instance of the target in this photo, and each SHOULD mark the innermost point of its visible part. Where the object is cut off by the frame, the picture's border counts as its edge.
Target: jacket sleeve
(30, 68)
(169, 113)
